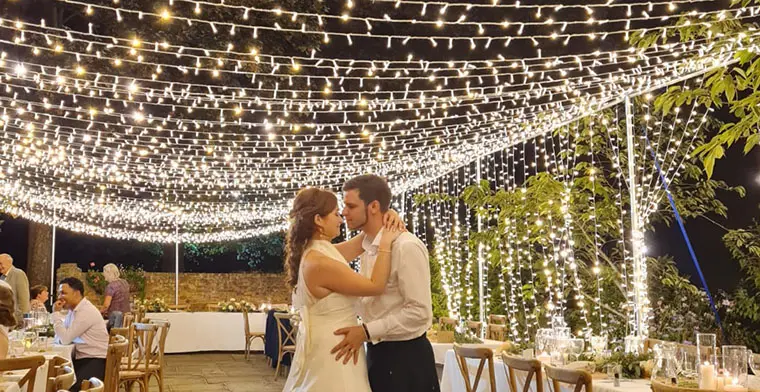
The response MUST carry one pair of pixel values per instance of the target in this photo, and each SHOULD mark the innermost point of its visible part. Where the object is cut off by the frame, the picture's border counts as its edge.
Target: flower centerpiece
(233, 305)
(97, 281)
(155, 305)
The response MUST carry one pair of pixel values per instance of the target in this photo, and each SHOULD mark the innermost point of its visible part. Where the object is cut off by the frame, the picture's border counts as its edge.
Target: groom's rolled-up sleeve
(416, 314)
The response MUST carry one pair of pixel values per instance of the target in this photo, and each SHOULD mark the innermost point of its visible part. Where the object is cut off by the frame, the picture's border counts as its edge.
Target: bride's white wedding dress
(313, 367)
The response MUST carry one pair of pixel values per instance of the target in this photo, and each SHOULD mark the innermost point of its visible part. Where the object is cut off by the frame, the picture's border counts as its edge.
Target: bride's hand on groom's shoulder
(388, 237)
(392, 221)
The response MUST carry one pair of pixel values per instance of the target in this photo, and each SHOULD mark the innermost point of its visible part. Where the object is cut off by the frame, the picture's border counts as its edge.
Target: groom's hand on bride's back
(392, 221)
(353, 338)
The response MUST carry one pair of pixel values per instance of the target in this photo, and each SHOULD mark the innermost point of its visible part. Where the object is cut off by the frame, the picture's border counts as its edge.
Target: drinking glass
(686, 361)
(735, 360)
(632, 344)
(30, 337)
(754, 363)
(542, 340)
(665, 362)
(707, 352)
(576, 347)
(598, 344)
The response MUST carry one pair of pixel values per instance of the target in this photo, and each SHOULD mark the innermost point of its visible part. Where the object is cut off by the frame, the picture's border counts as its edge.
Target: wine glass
(598, 344)
(30, 337)
(576, 347)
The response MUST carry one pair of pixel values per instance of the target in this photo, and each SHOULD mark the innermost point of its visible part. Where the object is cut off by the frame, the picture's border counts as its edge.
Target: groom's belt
(398, 342)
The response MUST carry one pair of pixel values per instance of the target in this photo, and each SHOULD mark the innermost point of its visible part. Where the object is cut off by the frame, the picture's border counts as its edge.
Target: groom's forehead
(351, 196)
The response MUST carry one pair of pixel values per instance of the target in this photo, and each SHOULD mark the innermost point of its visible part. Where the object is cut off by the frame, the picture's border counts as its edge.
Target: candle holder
(735, 360)
(706, 355)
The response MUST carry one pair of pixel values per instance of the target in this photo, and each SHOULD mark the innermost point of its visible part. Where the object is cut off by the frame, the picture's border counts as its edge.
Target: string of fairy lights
(198, 120)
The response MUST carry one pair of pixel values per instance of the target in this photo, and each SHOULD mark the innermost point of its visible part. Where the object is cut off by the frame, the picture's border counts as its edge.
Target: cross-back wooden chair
(92, 385)
(284, 336)
(448, 321)
(578, 378)
(137, 366)
(250, 336)
(116, 350)
(139, 314)
(128, 319)
(485, 356)
(475, 327)
(31, 363)
(65, 378)
(497, 319)
(54, 367)
(496, 332)
(531, 366)
(158, 364)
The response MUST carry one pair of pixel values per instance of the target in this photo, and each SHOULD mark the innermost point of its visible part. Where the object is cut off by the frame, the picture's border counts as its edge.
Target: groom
(399, 355)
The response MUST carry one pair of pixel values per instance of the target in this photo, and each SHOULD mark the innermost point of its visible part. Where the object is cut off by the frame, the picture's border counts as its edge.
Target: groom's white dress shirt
(404, 311)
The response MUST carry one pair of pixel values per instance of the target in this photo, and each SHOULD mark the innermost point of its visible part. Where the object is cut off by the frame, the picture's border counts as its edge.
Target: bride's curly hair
(309, 202)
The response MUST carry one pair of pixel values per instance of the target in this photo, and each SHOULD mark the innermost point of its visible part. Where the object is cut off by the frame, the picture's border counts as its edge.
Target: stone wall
(198, 289)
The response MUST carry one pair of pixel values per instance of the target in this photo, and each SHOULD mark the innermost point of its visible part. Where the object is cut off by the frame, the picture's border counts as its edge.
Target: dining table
(9, 380)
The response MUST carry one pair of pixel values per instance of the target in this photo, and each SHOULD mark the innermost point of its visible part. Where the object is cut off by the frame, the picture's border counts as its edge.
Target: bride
(326, 290)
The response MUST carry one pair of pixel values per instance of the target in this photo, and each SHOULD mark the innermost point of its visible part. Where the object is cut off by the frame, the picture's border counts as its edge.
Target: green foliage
(264, 254)
(96, 281)
(234, 305)
(631, 364)
(440, 306)
(135, 276)
(155, 305)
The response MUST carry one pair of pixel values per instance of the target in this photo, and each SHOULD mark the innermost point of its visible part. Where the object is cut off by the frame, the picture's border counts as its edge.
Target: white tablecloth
(40, 379)
(452, 380)
(209, 331)
(440, 349)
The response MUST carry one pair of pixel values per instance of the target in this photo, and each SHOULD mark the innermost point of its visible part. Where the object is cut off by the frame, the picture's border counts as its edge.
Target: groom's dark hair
(371, 188)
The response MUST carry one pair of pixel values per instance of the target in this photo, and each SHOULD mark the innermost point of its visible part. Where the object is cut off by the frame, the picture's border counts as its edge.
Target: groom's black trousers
(407, 366)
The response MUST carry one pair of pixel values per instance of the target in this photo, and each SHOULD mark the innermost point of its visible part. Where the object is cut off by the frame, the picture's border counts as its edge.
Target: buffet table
(209, 331)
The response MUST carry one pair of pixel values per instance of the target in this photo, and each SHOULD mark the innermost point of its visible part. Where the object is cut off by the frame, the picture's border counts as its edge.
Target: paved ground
(219, 372)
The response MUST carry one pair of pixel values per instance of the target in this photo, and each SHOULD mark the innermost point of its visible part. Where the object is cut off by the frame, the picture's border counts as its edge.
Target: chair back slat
(484, 356)
(54, 367)
(246, 323)
(496, 332)
(65, 379)
(141, 337)
(497, 319)
(31, 363)
(532, 366)
(449, 321)
(578, 378)
(116, 350)
(159, 348)
(284, 335)
(129, 318)
(474, 326)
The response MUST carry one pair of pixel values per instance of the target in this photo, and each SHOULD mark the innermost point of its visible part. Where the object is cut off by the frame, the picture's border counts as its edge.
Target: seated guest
(7, 318)
(84, 327)
(39, 295)
(117, 301)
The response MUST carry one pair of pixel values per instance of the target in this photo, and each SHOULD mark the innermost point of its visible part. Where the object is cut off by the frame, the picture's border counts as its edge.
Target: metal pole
(635, 227)
(176, 273)
(52, 269)
(482, 313)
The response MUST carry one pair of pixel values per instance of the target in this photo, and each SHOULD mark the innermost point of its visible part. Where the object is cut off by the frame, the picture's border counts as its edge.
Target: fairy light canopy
(187, 120)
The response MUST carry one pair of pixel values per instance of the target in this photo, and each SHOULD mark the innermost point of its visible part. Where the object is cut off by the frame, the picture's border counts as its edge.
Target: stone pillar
(39, 254)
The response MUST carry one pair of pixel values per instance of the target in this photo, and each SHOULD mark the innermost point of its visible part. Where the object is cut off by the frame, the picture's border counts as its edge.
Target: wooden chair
(532, 366)
(157, 367)
(448, 321)
(579, 378)
(92, 385)
(484, 355)
(137, 367)
(496, 332)
(116, 350)
(475, 327)
(54, 368)
(65, 379)
(139, 314)
(129, 318)
(497, 319)
(284, 335)
(250, 336)
(649, 344)
(30, 363)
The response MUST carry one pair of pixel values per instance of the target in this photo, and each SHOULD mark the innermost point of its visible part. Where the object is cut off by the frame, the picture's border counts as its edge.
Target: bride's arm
(352, 248)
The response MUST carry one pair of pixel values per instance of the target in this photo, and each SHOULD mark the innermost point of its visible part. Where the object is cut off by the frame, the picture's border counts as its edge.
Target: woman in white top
(7, 317)
(326, 291)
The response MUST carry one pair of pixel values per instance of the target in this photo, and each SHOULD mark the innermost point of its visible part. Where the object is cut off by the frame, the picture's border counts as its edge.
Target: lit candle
(734, 386)
(707, 376)
(720, 382)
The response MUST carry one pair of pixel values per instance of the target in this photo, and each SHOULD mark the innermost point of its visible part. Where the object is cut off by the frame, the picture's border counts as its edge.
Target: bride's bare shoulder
(314, 257)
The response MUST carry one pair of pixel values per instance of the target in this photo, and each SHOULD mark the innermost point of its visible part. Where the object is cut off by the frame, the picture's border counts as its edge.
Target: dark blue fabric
(271, 340)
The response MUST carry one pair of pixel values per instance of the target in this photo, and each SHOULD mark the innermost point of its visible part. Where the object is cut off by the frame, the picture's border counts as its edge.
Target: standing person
(82, 326)
(326, 292)
(399, 355)
(39, 295)
(19, 283)
(117, 301)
